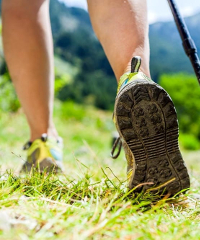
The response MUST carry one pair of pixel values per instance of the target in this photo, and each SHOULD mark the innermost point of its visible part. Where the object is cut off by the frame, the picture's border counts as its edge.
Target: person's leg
(28, 49)
(122, 28)
(144, 113)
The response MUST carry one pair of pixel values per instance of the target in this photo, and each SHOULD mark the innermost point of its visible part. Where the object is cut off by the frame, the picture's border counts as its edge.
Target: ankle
(51, 132)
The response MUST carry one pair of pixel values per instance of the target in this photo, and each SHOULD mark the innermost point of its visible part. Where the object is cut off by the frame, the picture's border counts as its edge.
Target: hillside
(65, 19)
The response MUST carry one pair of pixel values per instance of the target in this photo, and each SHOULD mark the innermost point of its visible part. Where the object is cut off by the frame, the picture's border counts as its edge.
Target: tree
(185, 93)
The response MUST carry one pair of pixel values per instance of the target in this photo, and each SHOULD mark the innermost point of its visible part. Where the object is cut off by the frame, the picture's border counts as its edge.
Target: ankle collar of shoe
(129, 77)
(44, 138)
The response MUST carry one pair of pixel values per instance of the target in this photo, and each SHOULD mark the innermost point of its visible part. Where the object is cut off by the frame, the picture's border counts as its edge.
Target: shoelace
(117, 144)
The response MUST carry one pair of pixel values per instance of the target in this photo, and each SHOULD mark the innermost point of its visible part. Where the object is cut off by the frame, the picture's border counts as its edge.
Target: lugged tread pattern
(147, 122)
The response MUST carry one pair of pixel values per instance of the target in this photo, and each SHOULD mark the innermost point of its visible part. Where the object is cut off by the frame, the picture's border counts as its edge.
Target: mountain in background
(167, 54)
(65, 19)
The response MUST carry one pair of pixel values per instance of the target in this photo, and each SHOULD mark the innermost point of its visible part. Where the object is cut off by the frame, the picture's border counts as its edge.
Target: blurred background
(85, 86)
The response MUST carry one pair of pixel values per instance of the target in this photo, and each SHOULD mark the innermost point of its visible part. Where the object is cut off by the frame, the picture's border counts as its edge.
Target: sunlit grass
(48, 207)
(91, 200)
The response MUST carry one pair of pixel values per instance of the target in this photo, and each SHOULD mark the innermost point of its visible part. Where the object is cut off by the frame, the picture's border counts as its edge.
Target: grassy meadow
(90, 200)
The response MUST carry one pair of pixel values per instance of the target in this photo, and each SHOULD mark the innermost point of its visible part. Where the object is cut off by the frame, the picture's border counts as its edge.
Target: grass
(89, 201)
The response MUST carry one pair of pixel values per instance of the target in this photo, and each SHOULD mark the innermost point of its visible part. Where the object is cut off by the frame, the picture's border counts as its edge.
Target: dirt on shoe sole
(147, 121)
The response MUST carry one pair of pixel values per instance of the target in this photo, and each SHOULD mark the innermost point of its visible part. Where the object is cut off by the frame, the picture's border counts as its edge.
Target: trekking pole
(188, 43)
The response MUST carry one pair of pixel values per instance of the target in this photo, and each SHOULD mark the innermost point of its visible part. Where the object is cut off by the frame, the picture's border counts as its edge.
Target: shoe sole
(48, 165)
(147, 121)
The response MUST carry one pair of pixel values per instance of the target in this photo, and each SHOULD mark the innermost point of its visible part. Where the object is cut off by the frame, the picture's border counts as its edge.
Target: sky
(158, 10)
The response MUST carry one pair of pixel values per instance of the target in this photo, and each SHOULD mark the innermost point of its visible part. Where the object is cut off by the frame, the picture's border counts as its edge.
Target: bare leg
(28, 47)
(122, 29)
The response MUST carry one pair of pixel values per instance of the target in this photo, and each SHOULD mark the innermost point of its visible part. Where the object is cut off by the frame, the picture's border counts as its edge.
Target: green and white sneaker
(44, 155)
(146, 120)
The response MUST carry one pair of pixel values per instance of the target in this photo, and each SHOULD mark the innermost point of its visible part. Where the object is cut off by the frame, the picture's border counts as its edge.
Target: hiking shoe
(44, 155)
(146, 120)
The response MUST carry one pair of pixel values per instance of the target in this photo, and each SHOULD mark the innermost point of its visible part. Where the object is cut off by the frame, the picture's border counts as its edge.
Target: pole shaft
(188, 43)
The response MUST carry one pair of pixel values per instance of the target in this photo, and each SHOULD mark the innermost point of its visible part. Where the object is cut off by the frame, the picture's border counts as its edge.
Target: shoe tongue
(44, 137)
(135, 64)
